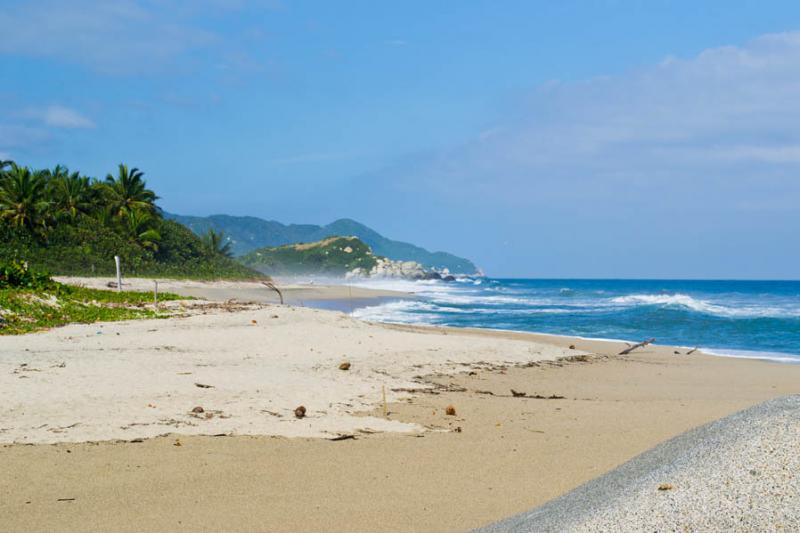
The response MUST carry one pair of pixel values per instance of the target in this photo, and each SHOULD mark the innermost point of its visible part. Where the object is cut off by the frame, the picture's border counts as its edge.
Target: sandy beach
(99, 430)
(367, 267)
(295, 292)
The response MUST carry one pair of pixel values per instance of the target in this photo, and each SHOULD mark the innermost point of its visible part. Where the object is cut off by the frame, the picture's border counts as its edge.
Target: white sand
(136, 379)
(294, 291)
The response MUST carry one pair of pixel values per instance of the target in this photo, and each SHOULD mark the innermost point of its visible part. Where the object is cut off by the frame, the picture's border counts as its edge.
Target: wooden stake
(119, 273)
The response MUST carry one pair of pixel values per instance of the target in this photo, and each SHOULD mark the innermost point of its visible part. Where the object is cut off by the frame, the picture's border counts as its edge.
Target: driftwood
(629, 349)
(517, 394)
(343, 437)
(416, 390)
(271, 286)
(690, 352)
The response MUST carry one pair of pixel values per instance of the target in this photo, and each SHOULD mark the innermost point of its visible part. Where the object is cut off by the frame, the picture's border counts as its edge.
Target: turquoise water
(739, 318)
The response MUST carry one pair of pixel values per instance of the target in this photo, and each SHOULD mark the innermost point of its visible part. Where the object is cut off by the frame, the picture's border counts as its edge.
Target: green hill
(249, 233)
(333, 256)
(398, 250)
(69, 224)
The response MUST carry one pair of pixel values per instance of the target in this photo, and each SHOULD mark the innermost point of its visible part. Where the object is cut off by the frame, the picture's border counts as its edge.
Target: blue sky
(547, 139)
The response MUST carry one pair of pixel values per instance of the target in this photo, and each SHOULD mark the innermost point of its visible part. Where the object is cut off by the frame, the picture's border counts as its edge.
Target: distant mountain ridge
(249, 233)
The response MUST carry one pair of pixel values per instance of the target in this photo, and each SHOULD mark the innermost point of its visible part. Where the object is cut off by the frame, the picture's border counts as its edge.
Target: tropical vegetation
(218, 241)
(67, 223)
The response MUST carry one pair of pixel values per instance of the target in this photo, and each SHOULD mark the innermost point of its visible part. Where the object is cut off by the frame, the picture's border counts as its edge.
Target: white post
(155, 294)
(119, 273)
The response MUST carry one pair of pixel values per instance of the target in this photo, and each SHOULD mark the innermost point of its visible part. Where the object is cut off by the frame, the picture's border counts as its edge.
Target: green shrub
(17, 275)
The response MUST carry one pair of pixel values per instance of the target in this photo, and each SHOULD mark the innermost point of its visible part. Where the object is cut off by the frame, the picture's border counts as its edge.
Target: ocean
(758, 319)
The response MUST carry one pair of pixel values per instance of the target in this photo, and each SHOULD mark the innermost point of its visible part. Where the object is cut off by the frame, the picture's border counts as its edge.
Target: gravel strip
(740, 473)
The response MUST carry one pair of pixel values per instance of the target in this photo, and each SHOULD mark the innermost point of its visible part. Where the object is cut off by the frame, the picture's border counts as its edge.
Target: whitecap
(398, 311)
(704, 306)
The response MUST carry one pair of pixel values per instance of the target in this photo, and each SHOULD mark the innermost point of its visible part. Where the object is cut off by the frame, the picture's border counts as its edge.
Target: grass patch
(24, 310)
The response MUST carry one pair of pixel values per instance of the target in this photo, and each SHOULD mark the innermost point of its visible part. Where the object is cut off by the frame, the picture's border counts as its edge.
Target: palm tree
(57, 172)
(128, 192)
(218, 242)
(142, 226)
(4, 164)
(23, 202)
(71, 193)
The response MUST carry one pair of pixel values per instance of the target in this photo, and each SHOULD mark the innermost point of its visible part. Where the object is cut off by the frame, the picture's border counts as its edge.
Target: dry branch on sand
(629, 349)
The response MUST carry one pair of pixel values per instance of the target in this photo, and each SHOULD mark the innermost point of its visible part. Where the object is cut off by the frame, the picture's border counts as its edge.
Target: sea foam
(704, 306)
(761, 318)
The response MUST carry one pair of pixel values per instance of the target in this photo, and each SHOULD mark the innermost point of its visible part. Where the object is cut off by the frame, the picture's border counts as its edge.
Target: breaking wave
(738, 318)
(703, 306)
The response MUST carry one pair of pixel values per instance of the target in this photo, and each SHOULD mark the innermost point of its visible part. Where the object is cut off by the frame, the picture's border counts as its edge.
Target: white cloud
(727, 114)
(116, 36)
(36, 126)
(63, 117)
(688, 167)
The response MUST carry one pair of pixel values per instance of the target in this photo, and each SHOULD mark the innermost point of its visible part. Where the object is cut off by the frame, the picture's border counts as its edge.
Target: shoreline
(111, 406)
(770, 357)
(202, 330)
(347, 298)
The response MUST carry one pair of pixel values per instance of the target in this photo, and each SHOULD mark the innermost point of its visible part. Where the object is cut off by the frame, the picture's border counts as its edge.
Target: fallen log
(628, 350)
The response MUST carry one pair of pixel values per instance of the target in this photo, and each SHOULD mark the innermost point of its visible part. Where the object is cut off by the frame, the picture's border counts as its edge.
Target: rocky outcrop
(386, 268)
